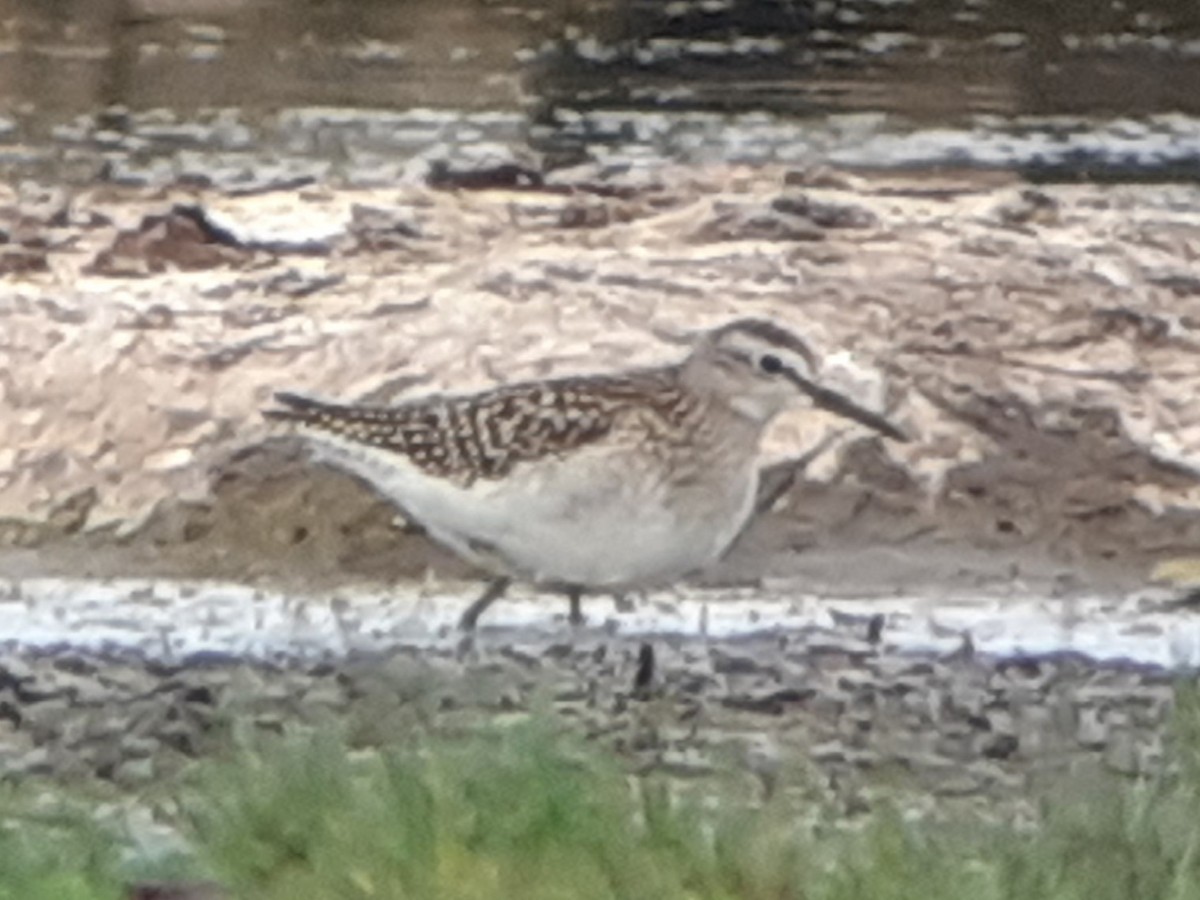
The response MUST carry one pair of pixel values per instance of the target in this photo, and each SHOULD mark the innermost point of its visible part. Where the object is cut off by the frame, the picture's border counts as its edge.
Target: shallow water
(155, 90)
(170, 620)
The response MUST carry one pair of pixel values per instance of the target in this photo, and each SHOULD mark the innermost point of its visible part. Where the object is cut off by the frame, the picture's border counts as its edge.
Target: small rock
(35, 762)
(1032, 207)
(771, 702)
(1092, 732)
(1000, 746)
(688, 763)
(728, 664)
(829, 752)
(822, 214)
(1121, 753)
(960, 785)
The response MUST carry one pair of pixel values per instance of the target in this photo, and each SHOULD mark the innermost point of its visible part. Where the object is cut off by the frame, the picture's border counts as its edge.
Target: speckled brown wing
(486, 435)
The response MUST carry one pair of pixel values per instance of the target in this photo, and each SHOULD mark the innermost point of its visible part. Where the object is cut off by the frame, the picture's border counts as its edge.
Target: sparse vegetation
(520, 812)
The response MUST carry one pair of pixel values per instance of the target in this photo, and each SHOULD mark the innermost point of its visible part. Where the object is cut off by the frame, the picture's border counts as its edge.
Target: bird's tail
(300, 409)
(366, 424)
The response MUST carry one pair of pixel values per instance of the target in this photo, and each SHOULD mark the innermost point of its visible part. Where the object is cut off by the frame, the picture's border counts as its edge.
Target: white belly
(615, 545)
(586, 520)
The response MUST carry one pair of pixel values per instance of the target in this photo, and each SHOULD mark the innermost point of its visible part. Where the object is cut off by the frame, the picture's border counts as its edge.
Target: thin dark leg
(576, 617)
(495, 590)
(644, 676)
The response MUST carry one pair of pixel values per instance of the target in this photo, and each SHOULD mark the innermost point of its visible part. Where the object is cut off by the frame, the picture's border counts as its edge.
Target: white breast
(590, 518)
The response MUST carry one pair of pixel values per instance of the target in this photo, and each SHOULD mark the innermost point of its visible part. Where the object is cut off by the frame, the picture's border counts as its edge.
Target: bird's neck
(720, 422)
(738, 411)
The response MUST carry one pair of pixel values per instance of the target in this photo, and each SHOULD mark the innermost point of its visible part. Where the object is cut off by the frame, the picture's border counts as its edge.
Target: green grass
(520, 812)
(50, 851)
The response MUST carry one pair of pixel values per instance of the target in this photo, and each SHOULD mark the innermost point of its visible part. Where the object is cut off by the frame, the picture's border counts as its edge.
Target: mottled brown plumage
(600, 482)
(485, 435)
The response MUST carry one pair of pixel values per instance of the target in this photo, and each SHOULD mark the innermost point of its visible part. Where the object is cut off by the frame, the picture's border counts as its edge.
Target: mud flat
(171, 564)
(1040, 345)
(936, 702)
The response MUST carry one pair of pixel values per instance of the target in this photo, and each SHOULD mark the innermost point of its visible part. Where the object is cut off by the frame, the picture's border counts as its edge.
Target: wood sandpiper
(603, 482)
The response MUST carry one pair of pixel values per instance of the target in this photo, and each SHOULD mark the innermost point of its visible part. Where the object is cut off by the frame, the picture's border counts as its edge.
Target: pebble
(1092, 733)
(971, 728)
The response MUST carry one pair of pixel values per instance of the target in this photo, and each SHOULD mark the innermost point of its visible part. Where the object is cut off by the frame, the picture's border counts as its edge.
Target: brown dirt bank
(1043, 346)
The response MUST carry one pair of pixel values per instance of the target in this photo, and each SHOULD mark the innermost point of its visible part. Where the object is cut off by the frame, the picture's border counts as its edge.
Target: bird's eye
(771, 364)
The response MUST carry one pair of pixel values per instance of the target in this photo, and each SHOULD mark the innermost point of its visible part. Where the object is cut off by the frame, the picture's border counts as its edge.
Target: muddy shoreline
(1039, 344)
(872, 723)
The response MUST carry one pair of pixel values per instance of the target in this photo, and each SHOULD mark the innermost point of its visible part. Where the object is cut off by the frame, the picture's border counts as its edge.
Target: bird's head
(759, 369)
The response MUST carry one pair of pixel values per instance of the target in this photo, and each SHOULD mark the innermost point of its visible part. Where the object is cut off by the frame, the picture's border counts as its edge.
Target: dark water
(151, 89)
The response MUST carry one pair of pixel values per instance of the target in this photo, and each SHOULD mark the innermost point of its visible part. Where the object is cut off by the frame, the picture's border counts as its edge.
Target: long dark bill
(844, 406)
